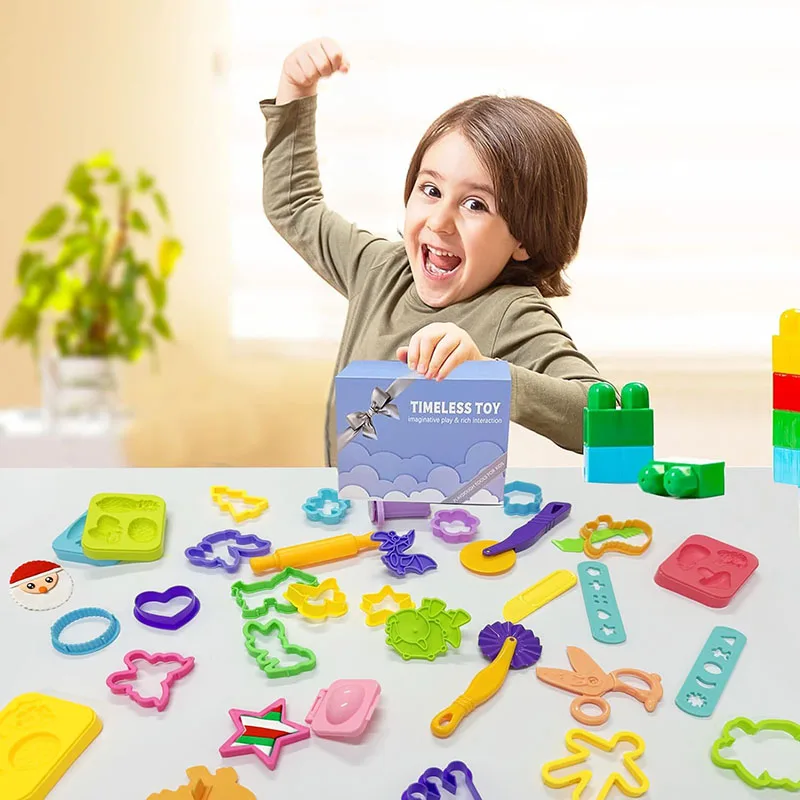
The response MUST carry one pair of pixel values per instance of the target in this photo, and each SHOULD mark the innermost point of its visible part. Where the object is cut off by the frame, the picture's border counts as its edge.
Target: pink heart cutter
(444, 517)
(186, 665)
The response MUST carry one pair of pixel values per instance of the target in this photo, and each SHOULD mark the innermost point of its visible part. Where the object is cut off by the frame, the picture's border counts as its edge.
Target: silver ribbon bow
(380, 404)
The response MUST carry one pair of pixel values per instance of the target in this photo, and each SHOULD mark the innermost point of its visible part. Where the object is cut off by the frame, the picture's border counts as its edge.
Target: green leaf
(114, 176)
(162, 326)
(63, 296)
(27, 264)
(169, 252)
(161, 205)
(103, 160)
(144, 182)
(22, 324)
(158, 290)
(49, 224)
(138, 222)
(80, 185)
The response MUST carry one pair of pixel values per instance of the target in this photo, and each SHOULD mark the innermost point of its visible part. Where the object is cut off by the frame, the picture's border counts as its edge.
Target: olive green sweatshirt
(549, 376)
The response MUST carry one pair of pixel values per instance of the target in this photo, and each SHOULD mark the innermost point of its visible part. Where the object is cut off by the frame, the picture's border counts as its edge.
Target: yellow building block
(786, 345)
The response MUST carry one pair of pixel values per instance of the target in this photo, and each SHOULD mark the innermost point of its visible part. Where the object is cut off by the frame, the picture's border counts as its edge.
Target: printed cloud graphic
(383, 474)
(759, 777)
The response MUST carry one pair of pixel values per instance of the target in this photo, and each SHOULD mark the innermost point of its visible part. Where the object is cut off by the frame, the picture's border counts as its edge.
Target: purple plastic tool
(162, 621)
(382, 510)
(492, 638)
(444, 517)
(427, 787)
(244, 545)
(397, 560)
(533, 530)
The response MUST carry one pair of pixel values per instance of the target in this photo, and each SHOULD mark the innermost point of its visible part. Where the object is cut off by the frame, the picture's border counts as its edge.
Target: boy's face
(456, 240)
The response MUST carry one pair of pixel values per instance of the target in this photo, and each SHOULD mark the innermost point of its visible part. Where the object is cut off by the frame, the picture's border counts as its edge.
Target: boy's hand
(303, 68)
(437, 349)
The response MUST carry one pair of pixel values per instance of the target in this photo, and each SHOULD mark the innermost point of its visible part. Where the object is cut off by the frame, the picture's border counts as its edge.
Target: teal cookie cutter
(425, 632)
(702, 688)
(269, 664)
(240, 590)
(316, 511)
(764, 780)
(602, 610)
(527, 508)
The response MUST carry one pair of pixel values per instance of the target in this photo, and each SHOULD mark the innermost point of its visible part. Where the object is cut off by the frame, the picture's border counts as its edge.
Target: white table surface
(505, 741)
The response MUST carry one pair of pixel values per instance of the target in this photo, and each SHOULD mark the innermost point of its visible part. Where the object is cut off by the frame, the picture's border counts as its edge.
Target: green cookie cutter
(425, 632)
(750, 728)
(601, 535)
(240, 589)
(271, 665)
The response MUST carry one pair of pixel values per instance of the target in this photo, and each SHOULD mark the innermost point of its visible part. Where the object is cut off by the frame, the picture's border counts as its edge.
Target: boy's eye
(426, 188)
(476, 205)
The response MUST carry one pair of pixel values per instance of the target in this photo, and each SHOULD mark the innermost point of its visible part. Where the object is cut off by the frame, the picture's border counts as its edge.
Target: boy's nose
(440, 222)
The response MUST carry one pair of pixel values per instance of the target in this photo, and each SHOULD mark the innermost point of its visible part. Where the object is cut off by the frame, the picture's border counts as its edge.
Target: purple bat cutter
(528, 534)
(444, 517)
(427, 787)
(202, 554)
(397, 560)
(162, 621)
(382, 510)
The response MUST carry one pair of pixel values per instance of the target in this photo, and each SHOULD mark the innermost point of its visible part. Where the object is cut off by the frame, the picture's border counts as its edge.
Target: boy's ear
(520, 254)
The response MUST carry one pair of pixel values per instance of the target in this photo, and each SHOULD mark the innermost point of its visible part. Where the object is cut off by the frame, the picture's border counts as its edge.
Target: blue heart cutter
(334, 514)
(532, 506)
(67, 545)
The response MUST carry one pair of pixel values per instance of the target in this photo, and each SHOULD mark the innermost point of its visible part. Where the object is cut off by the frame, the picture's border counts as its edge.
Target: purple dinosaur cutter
(243, 545)
(427, 787)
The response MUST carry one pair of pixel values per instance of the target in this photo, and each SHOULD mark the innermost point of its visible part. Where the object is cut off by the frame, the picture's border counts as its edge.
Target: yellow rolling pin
(311, 553)
(509, 646)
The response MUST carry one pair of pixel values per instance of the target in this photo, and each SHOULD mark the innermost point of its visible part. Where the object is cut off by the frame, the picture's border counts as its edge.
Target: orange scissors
(590, 683)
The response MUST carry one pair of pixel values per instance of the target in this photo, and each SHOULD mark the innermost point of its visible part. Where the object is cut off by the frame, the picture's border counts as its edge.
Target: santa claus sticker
(40, 585)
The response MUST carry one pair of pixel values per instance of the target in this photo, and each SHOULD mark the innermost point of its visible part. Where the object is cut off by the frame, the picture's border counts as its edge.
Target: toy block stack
(786, 399)
(617, 442)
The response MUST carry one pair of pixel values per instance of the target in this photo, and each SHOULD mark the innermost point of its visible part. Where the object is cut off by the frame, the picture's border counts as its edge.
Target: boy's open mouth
(439, 264)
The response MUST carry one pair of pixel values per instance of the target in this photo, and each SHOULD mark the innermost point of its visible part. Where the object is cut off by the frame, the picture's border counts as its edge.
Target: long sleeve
(550, 378)
(336, 249)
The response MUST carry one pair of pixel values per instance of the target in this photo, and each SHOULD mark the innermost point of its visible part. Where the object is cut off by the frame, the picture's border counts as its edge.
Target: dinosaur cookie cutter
(763, 780)
(223, 497)
(614, 545)
(240, 590)
(243, 545)
(590, 683)
(113, 681)
(581, 753)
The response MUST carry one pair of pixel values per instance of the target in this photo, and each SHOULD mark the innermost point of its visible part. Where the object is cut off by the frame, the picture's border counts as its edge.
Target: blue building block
(67, 545)
(615, 464)
(786, 465)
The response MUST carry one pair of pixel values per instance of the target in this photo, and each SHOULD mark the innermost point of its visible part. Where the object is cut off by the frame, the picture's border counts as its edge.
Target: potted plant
(87, 288)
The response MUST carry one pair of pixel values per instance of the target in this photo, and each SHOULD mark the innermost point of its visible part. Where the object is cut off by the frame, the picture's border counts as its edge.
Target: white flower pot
(79, 386)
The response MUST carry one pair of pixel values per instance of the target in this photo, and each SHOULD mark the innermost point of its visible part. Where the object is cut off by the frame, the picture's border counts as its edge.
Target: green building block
(606, 425)
(683, 478)
(786, 429)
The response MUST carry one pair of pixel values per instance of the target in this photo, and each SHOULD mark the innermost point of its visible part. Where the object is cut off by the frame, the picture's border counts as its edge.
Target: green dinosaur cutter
(240, 589)
(425, 632)
(271, 665)
(601, 535)
(750, 728)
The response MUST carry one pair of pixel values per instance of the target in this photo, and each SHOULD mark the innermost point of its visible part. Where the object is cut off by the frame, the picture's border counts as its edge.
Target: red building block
(785, 392)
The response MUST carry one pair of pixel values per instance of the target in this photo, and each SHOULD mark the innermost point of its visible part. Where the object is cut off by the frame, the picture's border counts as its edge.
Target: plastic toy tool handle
(318, 552)
(528, 534)
(484, 685)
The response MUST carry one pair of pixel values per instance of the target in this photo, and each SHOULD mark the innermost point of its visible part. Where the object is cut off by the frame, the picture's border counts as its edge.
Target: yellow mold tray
(125, 527)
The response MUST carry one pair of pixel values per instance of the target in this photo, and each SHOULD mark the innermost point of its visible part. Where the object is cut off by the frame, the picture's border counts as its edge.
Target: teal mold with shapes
(602, 611)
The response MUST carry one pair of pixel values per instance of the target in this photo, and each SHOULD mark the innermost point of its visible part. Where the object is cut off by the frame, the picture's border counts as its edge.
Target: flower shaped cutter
(429, 783)
(243, 545)
(516, 509)
(444, 518)
(316, 511)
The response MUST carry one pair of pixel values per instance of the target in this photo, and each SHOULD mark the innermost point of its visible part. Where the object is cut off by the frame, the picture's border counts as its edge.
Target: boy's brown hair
(539, 174)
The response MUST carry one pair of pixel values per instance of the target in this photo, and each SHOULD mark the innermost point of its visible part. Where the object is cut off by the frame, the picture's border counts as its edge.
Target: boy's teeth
(441, 252)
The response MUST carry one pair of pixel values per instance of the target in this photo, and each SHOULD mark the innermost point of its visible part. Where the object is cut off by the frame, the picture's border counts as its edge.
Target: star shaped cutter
(369, 601)
(263, 733)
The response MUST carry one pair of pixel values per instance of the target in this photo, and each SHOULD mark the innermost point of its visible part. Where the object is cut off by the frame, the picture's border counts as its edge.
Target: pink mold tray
(706, 570)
